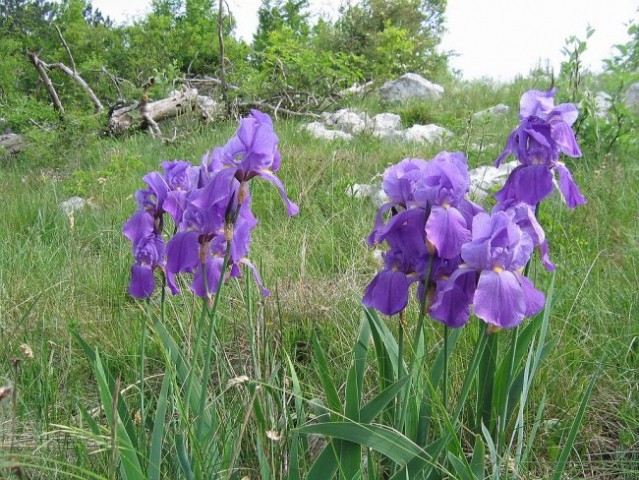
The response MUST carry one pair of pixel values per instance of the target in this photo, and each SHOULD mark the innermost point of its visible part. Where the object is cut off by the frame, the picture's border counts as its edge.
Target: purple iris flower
(405, 262)
(490, 278)
(399, 185)
(148, 250)
(443, 184)
(524, 216)
(543, 134)
(181, 178)
(399, 181)
(211, 209)
(438, 187)
(429, 224)
(211, 220)
(251, 152)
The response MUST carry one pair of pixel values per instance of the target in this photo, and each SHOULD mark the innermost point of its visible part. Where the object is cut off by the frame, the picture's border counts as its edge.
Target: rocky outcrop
(345, 123)
(410, 86)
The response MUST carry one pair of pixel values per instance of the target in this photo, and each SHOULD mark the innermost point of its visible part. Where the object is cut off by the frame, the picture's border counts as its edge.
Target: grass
(59, 272)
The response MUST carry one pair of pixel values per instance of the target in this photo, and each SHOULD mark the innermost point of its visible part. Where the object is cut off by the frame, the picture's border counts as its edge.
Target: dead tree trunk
(140, 115)
(220, 37)
(84, 85)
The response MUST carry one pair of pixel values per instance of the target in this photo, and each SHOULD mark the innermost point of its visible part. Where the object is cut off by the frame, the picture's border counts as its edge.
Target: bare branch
(41, 67)
(277, 108)
(220, 37)
(66, 47)
(206, 83)
(115, 80)
(84, 85)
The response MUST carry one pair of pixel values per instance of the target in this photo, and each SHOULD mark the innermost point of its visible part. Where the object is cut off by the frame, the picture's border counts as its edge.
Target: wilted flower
(26, 351)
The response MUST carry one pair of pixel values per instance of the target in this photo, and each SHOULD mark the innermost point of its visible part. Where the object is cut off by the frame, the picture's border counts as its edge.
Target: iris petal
(446, 228)
(569, 188)
(387, 292)
(500, 299)
(142, 281)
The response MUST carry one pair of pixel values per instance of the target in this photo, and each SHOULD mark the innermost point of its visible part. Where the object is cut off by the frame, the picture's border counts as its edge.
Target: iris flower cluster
(210, 208)
(542, 136)
(462, 257)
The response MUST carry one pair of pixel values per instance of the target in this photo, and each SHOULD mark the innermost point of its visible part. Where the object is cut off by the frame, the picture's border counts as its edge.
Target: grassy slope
(53, 276)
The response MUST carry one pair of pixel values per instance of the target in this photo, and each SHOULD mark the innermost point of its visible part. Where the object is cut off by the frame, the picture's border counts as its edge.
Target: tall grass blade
(157, 436)
(183, 457)
(327, 460)
(477, 462)
(294, 462)
(123, 413)
(386, 441)
(460, 466)
(130, 464)
(332, 398)
(351, 453)
(386, 348)
(576, 423)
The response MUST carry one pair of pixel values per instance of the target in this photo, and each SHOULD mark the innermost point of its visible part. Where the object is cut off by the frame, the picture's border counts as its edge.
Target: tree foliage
(292, 55)
(403, 34)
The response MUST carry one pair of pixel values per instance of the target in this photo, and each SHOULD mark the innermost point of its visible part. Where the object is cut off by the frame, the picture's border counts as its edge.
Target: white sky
(494, 38)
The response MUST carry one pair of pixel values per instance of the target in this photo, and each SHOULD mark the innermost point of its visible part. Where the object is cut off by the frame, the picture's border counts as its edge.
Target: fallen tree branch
(66, 47)
(276, 109)
(84, 85)
(42, 72)
(207, 82)
(144, 113)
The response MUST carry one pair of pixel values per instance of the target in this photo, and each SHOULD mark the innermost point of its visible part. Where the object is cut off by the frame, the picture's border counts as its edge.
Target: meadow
(63, 291)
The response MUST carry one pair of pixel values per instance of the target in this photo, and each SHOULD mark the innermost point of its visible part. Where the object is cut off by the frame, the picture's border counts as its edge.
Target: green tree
(26, 22)
(372, 27)
(274, 15)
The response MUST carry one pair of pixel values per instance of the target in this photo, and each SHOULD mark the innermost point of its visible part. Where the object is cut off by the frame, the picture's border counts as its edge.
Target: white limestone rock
(348, 120)
(484, 180)
(318, 130)
(386, 124)
(496, 111)
(374, 192)
(410, 86)
(357, 89)
(73, 204)
(603, 103)
(424, 134)
(631, 98)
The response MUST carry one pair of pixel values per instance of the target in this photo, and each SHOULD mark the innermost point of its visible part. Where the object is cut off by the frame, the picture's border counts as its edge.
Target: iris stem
(486, 382)
(503, 418)
(209, 341)
(142, 362)
(196, 353)
(400, 371)
(445, 379)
